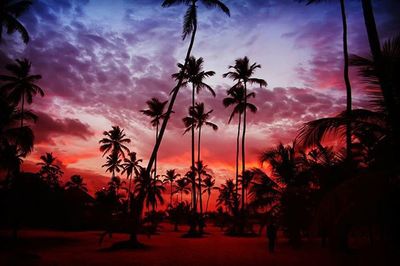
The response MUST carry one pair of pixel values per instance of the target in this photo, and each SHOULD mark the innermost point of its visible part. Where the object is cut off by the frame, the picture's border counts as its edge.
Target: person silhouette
(271, 235)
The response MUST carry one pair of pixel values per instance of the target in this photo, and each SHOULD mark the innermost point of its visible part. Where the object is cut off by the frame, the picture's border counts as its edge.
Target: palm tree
(385, 82)
(12, 135)
(246, 181)
(151, 189)
(236, 98)
(131, 165)
(20, 86)
(49, 171)
(10, 11)
(76, 182)
(181, 186)
(227, 196)
(197, 119)
(242, 73)
(114, 142)
(208, 185)
(189, 28)
(170, 177)
(193, 73)
(113, 164)
(345, 74)
(156, 112)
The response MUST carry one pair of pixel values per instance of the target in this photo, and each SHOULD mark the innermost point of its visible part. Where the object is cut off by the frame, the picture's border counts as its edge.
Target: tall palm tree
(156, 112)
(114, 142)
(242, 72)
(10, 11)
(385, 82)
(208, 185)
(181, 186)
(131, 165)
(236, 98)
(189, 28)
(197, 119)
(21, 86)
(76, 181)
(193, 73)
(50, 171)
(345, 74)
(170, 177)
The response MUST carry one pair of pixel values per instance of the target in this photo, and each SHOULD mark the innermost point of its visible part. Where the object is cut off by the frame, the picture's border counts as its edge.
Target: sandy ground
(39, 247)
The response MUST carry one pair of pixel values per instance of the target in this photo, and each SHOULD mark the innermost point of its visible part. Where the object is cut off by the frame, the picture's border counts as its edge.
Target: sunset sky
(101, 60)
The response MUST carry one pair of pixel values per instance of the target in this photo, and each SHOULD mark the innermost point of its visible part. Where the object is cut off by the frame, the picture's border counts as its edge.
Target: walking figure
(271, 235)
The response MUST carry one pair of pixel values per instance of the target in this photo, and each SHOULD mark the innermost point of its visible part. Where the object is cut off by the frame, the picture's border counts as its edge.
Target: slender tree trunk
(22, 109)
(208, 199)
(155, 174)
(168, 114)
(193, 160)
(199, 173)
(237, 165)
(347, 82)
(170, 198)
(386, 88)
(129, 194)
(243, 144)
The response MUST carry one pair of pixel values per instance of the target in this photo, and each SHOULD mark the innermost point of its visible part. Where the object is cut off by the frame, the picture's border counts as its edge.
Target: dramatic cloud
(101, 62)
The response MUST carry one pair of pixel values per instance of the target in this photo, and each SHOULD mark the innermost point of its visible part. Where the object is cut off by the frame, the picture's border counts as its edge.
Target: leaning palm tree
(198, 118)
(242, 73)
(10, 11)
(76, 182)
(156, 112)
(236, 98)
(345, 74)
(189, 28)
(193, 73)
(208, 185)
(170, 177)
(21, 86)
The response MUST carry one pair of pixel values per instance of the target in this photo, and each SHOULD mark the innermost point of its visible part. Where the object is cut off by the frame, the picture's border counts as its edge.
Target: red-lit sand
(168, 248)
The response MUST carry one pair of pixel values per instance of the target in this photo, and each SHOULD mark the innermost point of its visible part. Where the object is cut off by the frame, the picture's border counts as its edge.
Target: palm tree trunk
(347, 82)
(387, 90)
(22, 109)
(237, 164)
(243, 144)
(193, 160)
(199, 173)
(129, 194)
(155, 173)
(170, 198)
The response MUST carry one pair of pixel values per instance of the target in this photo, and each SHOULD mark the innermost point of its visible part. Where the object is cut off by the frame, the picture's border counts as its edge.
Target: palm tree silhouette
(114, 142)
(10, 11)
(236, 98)
(193, 73)
(49, 171)
(345, 74)
(197, 119)
(113, 164)
(21, 85)
(131, 165)
(242, 73)
(189, 27)
(227, 196)
(156, 112)
(246, 181)
(181, 186)
(170, 177)
(151, 189)
(76, 182)
(208, 185)
(385, 82)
